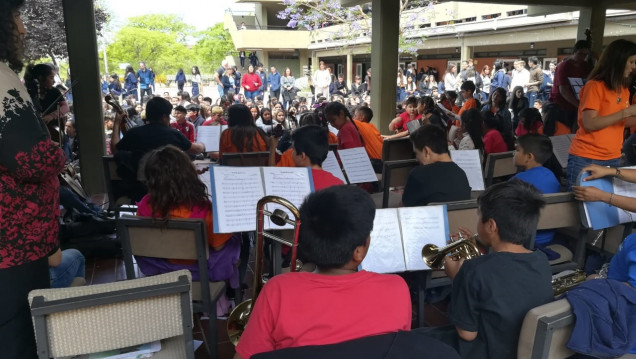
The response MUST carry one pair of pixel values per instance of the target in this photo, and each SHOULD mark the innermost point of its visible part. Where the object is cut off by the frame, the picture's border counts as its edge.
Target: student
(182, 124)
(310, 145)
(533, 150)
(494, 141)
(471, 131)
(492, 293)
(340, 118)
(439, 179)
(372, 139)
(194, 115)
(529, 122)
(242, 135)
(290, 310)
(430, 112)
(468, 92)
(399, 123)
(217, 117)
(175, 191)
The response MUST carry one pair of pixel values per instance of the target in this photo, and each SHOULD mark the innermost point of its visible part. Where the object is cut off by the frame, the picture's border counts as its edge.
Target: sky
(199, 13)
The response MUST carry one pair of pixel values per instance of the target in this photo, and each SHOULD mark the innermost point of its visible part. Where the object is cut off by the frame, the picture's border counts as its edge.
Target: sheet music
(470, 162)
(235, 192)
(210, 136)
(332, 166)
(561, 148)
(357, 165)
(290, 183)
(420, 226)
(624, 188)
(385, 254)
(577, 84)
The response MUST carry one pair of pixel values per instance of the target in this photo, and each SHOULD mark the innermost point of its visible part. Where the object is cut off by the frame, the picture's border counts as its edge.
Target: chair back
(395, 174)
(499, 165)
(245, 159)
(545, 331)
(462, 214)
(397, 149)
(102, 317)
(115, 204)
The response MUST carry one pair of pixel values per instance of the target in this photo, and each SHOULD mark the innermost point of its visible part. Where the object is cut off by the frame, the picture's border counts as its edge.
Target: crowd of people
(156, 135)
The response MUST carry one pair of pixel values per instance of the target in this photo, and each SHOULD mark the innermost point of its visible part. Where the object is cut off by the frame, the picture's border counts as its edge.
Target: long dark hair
(495, 121)
(473, 123)
(529, 115)
(196, 70)
(129, 69)
(263, 110)
(502, 102)
(610, 68)
(172, 181)
(334, 108)
(515, 102)
(244, 130)
(10, 42)
(34, 76)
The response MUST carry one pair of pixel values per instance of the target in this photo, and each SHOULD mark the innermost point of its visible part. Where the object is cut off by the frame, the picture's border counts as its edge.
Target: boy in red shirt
(310, 145)
(182, 124)
(399, 123)
(337, 302)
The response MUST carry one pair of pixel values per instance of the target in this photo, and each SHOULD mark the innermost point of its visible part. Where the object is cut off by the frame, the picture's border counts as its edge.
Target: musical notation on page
(470, 162)
(385, 254)
(561, 148)
(235, 192)
(291, 183)
(422, 225)
(332, 166)
(357, 165)
(210, 136)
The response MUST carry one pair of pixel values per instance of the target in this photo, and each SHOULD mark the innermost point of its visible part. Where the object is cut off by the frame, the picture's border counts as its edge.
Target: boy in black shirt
(492, 293)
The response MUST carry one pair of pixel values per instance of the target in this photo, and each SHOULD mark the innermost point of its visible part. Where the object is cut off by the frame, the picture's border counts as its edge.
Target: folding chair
(119, 204)
(499, 165)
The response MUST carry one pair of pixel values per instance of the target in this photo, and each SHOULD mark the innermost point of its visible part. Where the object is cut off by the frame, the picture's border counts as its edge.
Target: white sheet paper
(420, 226)
(561, 148)
(624, 188)
(332, 166)
(290, 183)
(470, 162)
(210, 136)
(235, 192)
(385, 254)
(357, 165)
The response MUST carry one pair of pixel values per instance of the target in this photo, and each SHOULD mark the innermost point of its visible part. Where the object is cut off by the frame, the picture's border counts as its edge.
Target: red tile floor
(105, 270)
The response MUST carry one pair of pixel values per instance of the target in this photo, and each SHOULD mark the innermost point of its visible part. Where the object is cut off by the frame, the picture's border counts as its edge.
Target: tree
(348, 23)
(46, 35)
(212, 45)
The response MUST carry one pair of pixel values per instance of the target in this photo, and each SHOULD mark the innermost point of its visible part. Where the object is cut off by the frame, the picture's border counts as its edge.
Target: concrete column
(594, 19)
(303, 62)
(384, 61)
(81, 39)
(349, 69)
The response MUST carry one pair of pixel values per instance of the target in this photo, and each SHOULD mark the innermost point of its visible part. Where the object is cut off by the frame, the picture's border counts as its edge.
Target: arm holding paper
(593, 194)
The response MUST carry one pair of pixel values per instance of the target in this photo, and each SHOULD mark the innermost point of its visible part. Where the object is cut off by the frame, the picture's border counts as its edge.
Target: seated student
(529, 122)
(309, 149)
(430, 112)
(399, 123)
(286, 159)
(554, 120)
(439, 179)
(242, 135)
(533, 150)
(291, 309)
(65, 266)
(339, 117)
(468, 95)
(182, 125)
(471, 131)
(372, 139)
(493, 137)
(175, 191)
(217, 117)
(492, 293)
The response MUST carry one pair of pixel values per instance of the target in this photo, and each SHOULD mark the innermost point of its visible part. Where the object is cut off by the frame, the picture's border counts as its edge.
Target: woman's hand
(590, 194)
(597, 171)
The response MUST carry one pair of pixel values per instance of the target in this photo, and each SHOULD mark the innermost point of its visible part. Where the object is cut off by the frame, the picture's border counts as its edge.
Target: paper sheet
(385, 254)
(598, 215)
(561, 148)
(624, 188)
(470, 162)
(332, 166)
(357, 165)
(420, 226)
(577, 84)
(235, 192)
(210, 136)
(290, 183)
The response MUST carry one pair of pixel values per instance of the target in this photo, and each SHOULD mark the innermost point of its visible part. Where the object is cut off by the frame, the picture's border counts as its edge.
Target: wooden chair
(174, 239)
(102, 317)
(115, 204)
(397, 149)
(499, 165)
(395, 174)
(257, 159)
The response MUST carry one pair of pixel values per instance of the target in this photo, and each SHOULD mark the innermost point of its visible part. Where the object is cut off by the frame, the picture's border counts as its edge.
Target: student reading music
(340, 118)
(493, 292)
(242, 135)
(310, 146)
(175, 191)
(533, 150)
(399, 123)
(373, 141)
(604, 110)
(439, 179)
(337, 302)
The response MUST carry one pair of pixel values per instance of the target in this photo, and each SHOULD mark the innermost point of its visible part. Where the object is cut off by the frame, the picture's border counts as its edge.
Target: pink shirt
(297, 309)
(404, 119)
(349, 137)
(323, 179)
(494, 142)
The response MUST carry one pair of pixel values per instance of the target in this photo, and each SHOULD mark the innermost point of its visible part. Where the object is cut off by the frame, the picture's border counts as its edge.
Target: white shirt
(520, 78)
(322, 78)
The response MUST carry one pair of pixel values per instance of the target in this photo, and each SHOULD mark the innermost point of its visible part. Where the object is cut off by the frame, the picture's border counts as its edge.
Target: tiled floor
(105, 270)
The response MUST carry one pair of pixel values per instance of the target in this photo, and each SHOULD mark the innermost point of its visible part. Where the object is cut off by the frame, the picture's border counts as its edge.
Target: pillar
(384, 61)
(81, 39)
(349, 69)
(594, 19)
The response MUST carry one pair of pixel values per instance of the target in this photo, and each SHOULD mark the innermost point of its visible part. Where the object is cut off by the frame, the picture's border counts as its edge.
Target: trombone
(237, 320)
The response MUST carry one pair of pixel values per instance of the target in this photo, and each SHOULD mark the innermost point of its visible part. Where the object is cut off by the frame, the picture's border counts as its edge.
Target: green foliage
(213, 44)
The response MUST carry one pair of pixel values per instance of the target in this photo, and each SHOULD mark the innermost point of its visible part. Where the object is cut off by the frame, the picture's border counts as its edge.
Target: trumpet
(239, 317)
(434, 256)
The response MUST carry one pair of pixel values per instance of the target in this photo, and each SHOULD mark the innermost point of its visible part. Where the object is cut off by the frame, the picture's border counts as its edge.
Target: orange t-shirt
(286, 159)
(559, 130)
(333, 139)
(606, 143)
(372, 139)
(470, 103)
(259, 144)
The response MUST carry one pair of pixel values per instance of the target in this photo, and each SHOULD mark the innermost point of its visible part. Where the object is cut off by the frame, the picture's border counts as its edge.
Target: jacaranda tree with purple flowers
(328, 20)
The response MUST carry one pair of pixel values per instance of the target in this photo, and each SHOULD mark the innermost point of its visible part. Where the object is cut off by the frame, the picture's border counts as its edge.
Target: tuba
(434, 256)
(237, 320)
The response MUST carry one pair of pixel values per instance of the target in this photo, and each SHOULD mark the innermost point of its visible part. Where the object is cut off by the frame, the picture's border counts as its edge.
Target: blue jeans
(532, 96)
(72, 266)
(576, 164)
(251, 94)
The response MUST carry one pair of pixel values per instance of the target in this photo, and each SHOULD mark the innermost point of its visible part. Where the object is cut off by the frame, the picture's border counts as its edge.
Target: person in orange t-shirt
(468, 94)
(604, 111)
(242, 135)
(372, 139)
